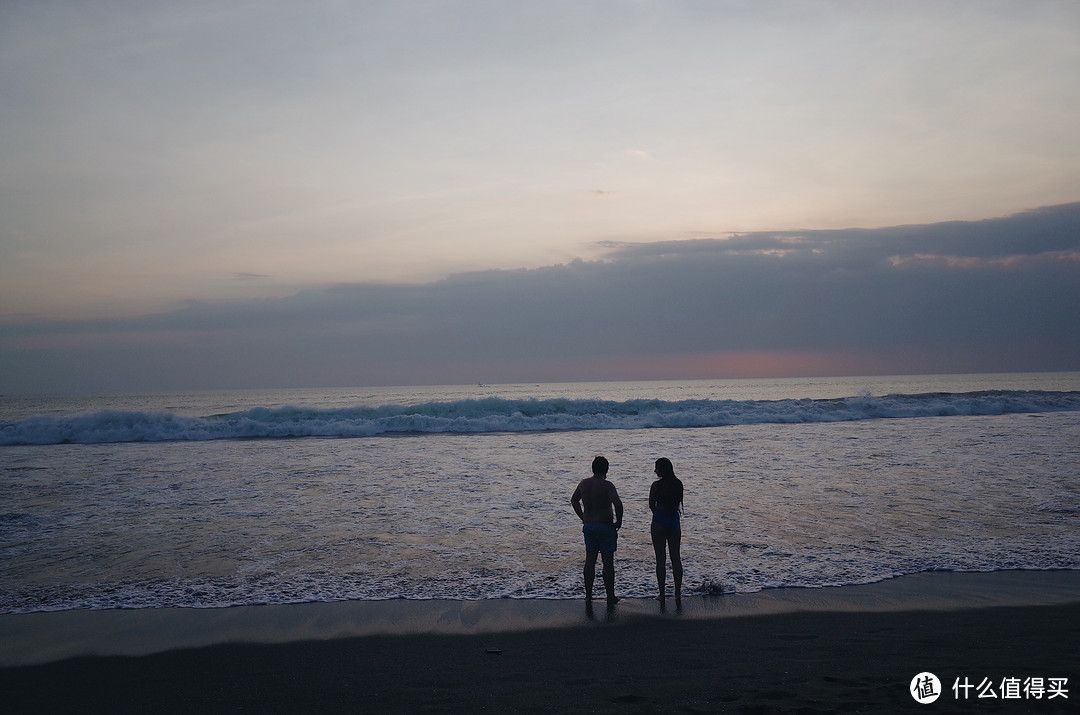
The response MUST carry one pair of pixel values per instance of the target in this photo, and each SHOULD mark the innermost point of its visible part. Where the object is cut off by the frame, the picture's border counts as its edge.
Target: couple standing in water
(597, 503)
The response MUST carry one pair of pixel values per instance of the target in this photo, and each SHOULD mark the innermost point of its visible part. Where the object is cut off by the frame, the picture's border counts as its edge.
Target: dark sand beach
(851, 649)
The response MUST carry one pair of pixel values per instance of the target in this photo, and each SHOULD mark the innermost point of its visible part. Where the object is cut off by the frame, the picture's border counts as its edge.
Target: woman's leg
(674, 541)
(659, 542)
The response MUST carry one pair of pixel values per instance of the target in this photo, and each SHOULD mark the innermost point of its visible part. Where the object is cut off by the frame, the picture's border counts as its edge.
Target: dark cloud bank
(1000, 294)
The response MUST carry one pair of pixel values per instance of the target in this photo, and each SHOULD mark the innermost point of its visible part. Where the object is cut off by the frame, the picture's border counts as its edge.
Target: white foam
(501, 415)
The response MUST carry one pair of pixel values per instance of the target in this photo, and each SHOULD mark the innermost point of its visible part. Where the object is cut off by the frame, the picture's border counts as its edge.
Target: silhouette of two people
(596, 502)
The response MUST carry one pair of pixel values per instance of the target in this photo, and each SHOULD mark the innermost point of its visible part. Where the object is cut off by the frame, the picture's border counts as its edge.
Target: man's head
(599, 467)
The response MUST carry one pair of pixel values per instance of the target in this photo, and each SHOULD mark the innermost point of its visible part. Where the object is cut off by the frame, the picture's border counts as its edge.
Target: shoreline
(46, 637)
(859, 651)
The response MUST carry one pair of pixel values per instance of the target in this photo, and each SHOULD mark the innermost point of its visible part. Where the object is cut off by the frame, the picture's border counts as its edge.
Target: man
(598, 505)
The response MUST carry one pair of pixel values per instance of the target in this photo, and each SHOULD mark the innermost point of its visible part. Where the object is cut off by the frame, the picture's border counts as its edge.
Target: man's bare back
(596, 500)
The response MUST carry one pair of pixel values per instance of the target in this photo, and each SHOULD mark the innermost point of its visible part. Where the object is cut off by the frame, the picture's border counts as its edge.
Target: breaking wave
(502, 415)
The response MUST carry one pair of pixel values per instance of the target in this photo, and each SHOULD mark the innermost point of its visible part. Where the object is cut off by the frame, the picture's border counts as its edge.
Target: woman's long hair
(664, 470)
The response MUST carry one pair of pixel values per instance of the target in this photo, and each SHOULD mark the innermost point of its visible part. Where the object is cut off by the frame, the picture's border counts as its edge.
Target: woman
(665, 501)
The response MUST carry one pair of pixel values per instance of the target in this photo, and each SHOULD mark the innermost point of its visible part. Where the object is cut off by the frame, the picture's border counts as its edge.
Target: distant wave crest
(500, 415)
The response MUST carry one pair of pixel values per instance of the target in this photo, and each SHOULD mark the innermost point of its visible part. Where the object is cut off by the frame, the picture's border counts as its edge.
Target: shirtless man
(598, 505)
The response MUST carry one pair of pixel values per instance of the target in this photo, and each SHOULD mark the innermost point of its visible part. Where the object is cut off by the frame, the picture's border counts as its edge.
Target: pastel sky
(261, 194)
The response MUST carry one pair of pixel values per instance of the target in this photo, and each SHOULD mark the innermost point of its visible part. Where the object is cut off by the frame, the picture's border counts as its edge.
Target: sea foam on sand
(43, 637)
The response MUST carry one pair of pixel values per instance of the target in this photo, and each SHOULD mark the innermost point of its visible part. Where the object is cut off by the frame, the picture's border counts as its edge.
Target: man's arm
(617, 503)
(575, 501)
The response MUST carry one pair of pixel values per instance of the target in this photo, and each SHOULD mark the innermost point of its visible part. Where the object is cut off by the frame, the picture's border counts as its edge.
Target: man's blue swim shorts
(600, 537)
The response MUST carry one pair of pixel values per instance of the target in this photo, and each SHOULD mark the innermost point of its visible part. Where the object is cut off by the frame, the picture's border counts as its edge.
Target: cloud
(999, 294)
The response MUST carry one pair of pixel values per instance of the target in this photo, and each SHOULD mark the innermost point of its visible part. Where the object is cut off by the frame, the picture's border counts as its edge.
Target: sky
(207, 195)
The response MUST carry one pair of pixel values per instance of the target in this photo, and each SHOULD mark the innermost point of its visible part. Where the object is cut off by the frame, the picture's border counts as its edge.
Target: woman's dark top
(665, 498)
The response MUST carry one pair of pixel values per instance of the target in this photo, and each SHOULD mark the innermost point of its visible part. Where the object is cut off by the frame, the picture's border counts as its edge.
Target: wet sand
(851, 649)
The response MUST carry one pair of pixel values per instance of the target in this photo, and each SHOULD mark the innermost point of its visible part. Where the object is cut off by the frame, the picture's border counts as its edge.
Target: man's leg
(609, 576)
(590, 573)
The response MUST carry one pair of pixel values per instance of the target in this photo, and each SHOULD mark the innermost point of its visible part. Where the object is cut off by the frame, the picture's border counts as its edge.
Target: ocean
(220, 499)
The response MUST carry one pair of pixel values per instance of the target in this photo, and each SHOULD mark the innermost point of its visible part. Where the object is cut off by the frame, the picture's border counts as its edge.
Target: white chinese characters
(1011, 688)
